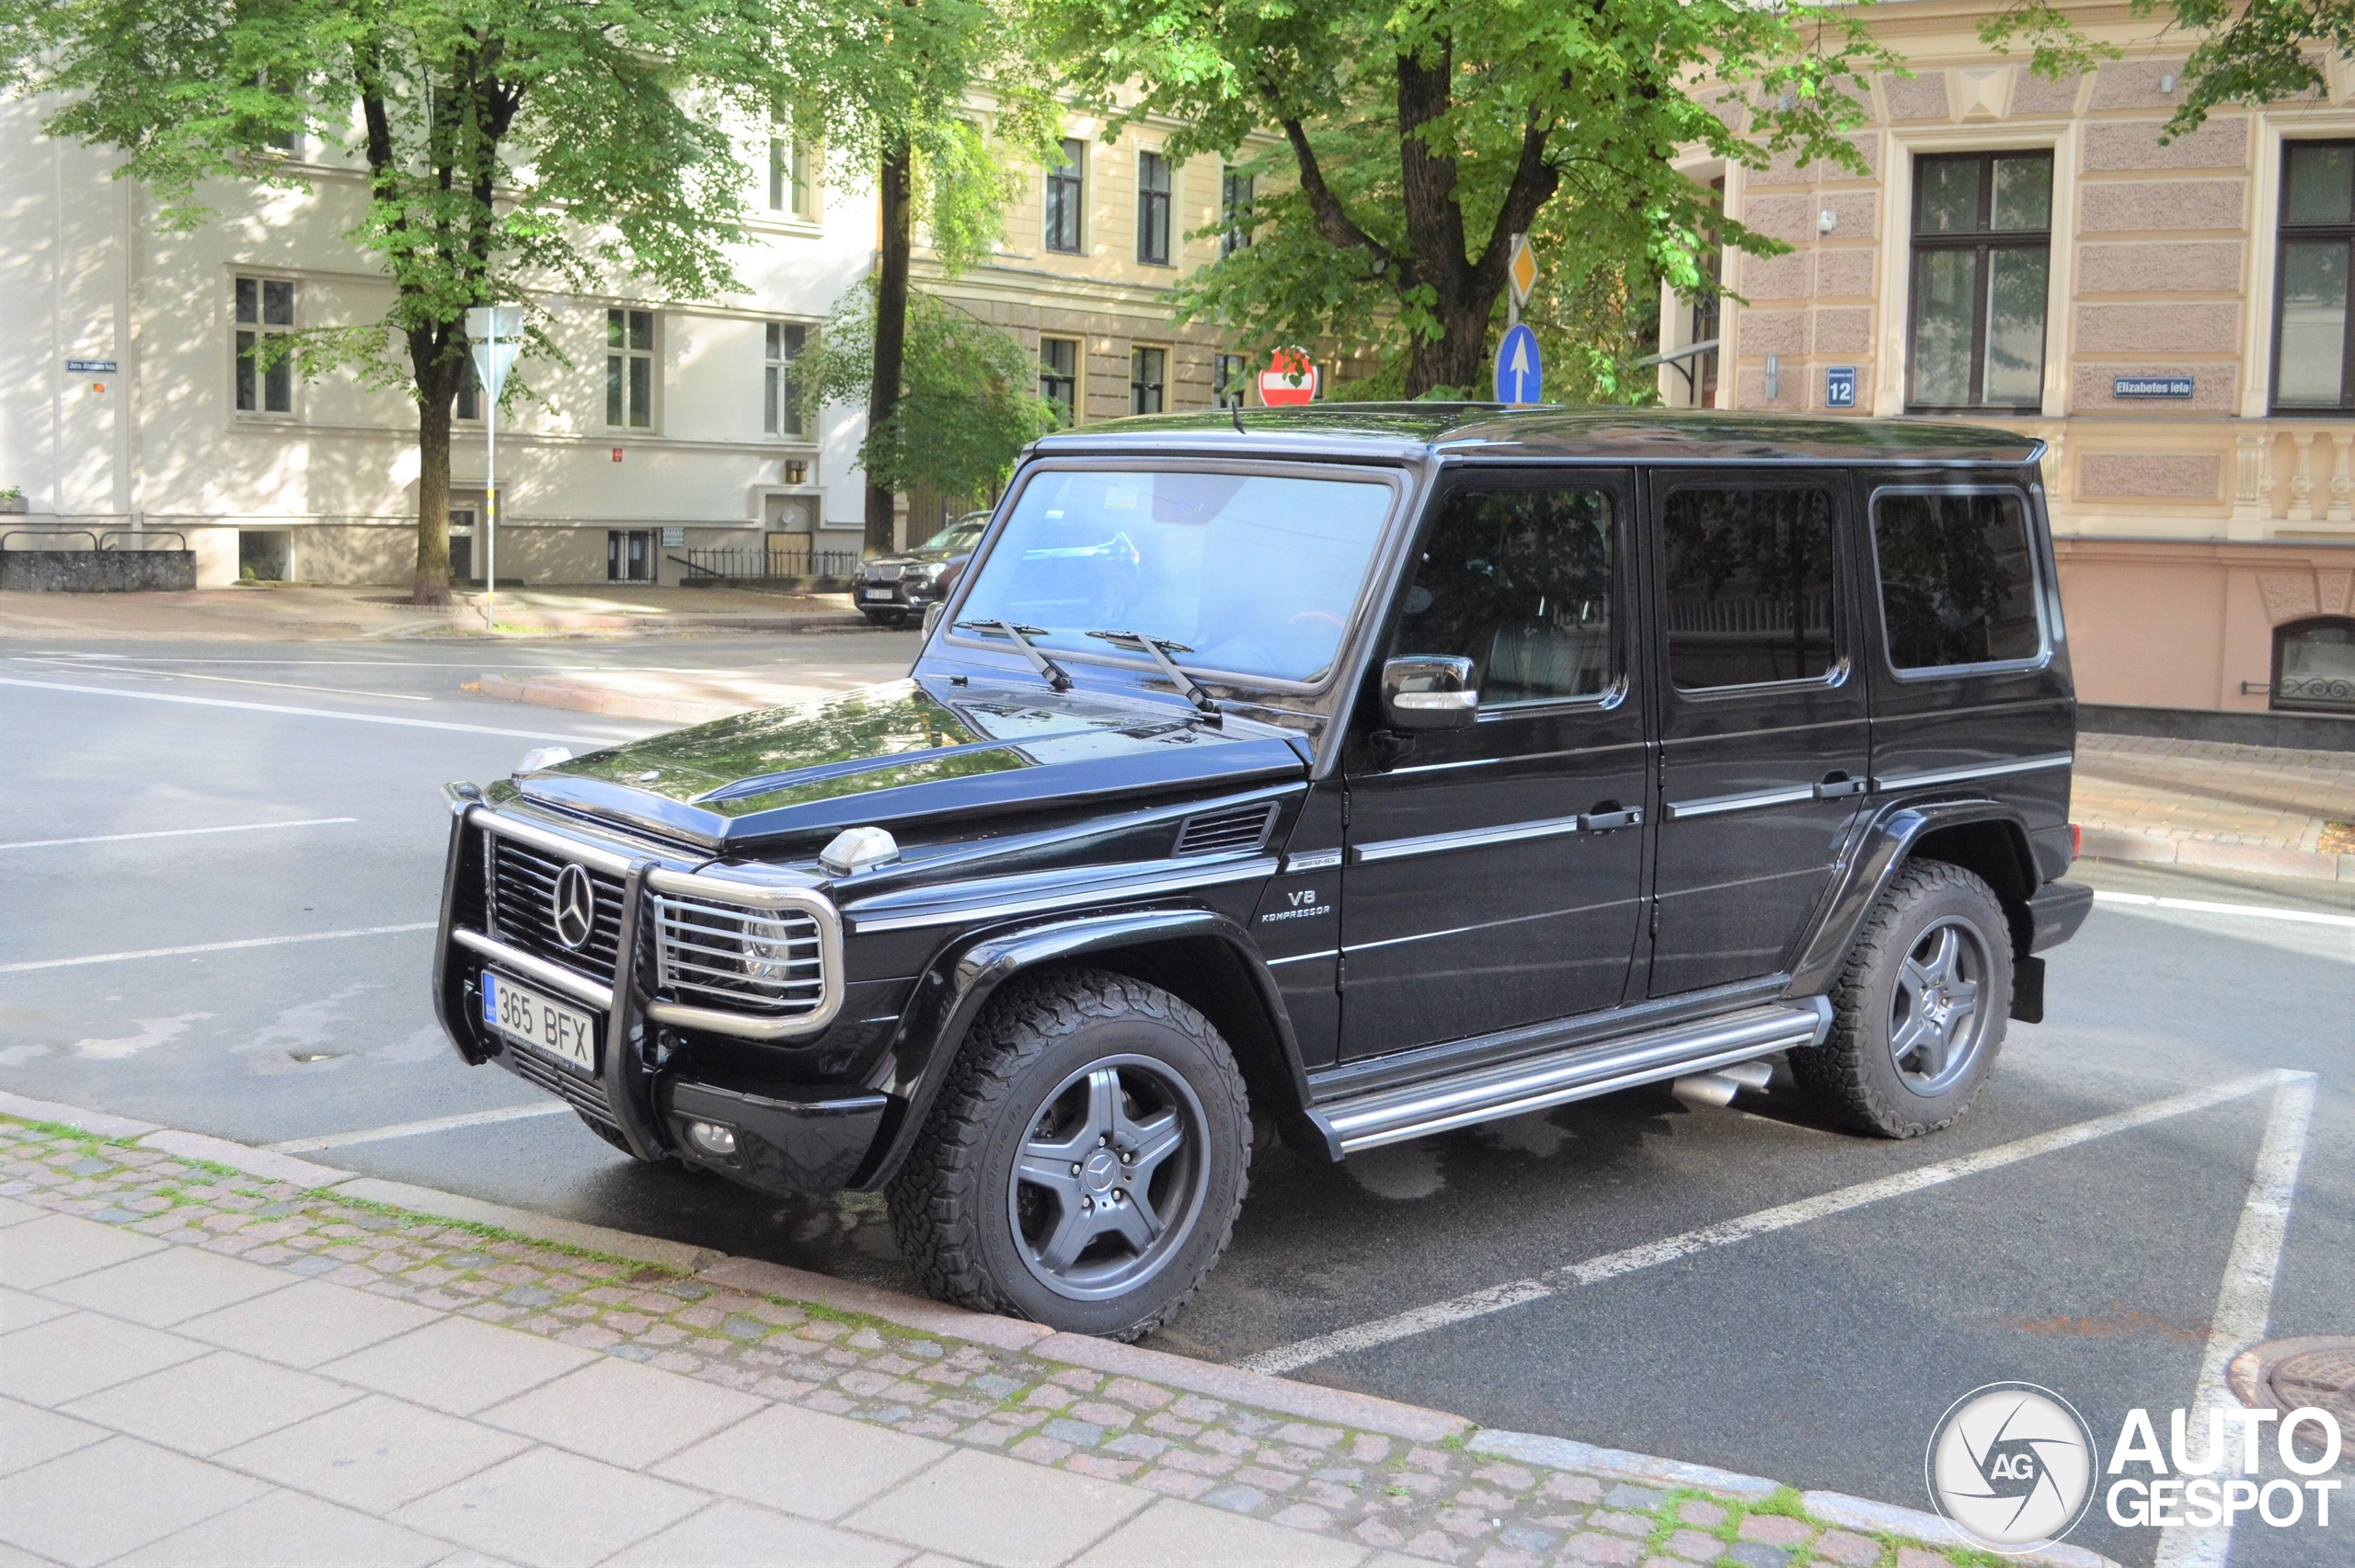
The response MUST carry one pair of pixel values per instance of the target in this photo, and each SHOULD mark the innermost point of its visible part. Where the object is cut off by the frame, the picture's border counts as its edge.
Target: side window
(1957, 577)
(1749, 575)
(1519, 581)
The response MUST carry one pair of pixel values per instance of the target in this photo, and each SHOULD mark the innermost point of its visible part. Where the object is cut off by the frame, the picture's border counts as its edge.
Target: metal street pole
(496, 332)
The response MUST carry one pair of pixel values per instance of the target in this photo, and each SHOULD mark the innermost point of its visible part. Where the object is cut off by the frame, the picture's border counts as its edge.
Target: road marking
(2203, 907)
(214, 947)
(302, 713)
(1285, 1358)
(414, 1129)
(175, 833)
(232, 680)
(2245, 1303)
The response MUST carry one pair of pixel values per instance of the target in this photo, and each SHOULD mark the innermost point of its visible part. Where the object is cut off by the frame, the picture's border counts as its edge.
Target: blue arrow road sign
(1520, 373)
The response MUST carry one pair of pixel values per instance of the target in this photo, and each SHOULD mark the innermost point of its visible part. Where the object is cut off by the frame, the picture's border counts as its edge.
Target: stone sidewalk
(258, 1366)
(2254, 808)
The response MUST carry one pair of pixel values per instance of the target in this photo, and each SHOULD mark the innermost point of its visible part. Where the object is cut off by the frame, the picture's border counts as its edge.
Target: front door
(462, 543)
(629, 555)
(1494, 872)
(1764, 750)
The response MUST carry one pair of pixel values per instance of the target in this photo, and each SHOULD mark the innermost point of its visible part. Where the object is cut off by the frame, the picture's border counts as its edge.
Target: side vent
(1221, 832)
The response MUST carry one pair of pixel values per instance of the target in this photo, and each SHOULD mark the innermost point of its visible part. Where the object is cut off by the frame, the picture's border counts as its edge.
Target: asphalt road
(1819, 1348)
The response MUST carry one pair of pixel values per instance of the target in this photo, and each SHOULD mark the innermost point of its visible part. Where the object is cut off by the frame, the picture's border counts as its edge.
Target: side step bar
(1485, 1094)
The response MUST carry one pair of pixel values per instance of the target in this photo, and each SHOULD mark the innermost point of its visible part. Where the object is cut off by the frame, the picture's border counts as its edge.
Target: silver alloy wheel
(1937, 1018)
(1110, 1179)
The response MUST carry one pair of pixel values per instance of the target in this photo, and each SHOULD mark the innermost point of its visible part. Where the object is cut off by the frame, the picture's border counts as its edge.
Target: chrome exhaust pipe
(1719, 1087)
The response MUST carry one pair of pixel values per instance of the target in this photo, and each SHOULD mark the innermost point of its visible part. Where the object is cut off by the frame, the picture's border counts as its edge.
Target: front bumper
(646, 1092)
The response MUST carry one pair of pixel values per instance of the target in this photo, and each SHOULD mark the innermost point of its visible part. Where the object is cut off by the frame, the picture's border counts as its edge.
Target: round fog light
(712, 1139)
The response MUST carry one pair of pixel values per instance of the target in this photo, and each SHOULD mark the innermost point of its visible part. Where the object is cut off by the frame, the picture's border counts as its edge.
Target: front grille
(738, 957)
(582, 1094)
(522, 886)
(885, 574)
(1237, 828)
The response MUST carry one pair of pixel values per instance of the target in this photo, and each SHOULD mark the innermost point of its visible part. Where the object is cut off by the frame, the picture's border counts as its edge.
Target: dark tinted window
(1957, 581)
(1749, 575)
(1519, 582)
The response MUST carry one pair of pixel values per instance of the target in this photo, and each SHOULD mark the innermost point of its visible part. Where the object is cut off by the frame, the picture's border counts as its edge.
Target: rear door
(1764, 739)
(1494, 874)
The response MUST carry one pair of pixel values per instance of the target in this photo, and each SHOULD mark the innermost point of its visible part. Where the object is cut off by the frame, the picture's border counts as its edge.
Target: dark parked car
(1362, 774)
(895, 589)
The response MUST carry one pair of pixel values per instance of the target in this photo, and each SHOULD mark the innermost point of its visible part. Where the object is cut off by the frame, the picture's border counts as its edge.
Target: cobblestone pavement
(1356, 1496)
(311, 612)
(2249, 807)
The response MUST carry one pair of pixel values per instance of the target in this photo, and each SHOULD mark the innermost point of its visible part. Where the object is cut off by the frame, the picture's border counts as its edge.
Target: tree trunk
(894, 189)
(432, 585)
(1459, 356)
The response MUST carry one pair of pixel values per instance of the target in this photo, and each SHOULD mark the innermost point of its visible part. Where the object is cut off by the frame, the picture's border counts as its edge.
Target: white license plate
(565, 1032)
(879, 593)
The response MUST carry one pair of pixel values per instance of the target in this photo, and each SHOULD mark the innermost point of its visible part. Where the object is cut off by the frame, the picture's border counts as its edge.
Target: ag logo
(2011, 1466)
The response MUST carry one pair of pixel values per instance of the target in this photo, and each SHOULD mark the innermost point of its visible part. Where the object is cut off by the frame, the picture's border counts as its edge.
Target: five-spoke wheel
(1934, 1018)
(1108, 1184)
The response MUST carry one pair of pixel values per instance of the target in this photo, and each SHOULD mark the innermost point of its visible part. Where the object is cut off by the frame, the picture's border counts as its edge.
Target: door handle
(1607, 817)
(1838, 785)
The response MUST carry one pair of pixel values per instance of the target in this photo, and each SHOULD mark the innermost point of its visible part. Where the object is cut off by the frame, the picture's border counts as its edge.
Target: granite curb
(1646, 1482)
(2157, 846)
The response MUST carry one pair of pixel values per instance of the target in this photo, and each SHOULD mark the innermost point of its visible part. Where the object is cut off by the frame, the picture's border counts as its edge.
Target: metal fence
(786, 561)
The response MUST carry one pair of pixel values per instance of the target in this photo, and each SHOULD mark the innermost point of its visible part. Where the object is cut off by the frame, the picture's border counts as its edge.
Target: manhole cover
(2292, 1374)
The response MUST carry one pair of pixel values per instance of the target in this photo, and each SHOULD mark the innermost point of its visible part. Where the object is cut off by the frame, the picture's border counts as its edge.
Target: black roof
(1494, 429)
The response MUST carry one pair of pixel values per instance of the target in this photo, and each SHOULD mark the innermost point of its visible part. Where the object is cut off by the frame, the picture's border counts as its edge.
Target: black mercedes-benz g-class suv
(1351, 772)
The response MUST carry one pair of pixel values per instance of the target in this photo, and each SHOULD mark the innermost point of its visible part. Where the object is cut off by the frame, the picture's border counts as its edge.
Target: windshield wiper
(1158, 647)
(1052, 672)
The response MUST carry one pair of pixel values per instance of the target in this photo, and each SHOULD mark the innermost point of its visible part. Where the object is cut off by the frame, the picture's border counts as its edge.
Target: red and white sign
(1290, 378)
(617, 454)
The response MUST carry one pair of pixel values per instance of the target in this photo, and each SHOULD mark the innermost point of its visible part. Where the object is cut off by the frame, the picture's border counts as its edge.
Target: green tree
(510, 148)
(1419, 135)
(967, 399)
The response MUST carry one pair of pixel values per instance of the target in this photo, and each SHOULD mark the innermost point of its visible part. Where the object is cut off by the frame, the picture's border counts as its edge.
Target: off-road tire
(1853, 1075)
(949, 1203)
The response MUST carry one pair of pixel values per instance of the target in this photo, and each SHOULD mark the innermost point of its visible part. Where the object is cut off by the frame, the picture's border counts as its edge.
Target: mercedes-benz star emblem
(573, 906)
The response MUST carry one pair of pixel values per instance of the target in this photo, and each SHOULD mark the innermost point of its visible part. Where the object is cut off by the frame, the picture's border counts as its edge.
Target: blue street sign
(1840, 387)
(1521, 371)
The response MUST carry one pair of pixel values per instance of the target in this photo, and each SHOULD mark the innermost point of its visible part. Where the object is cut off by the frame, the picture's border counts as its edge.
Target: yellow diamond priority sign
(1521, 269)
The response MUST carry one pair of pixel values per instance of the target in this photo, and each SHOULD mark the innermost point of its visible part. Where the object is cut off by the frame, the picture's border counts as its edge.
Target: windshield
(962, 534)
(1247, 574)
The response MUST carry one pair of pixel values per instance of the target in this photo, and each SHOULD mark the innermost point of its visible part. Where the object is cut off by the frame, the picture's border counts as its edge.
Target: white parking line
(2204, 907)
(1285, 1358)
(413, 1129)
(175, 833)
(229, 679)
(212, 947)
(301, 712)
(2245, 1303)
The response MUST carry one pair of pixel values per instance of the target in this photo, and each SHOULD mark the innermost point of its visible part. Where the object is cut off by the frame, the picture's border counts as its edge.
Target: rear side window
(1957, 577)
(1749, 575)
(1519, 581)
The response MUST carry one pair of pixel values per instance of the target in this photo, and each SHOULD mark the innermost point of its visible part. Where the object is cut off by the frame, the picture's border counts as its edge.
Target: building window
(780, 393)
(1983, 242)
(2314, 665)
(265, 310)
(629, 369)
(1748, 586)
(1148, 370)
(2311, 341)
(1234, 211)
(1058, 376)
(793, 189)
(1066, 189)
(1152, 209)
(469, 405)
(1958, 578)
(1230, 380)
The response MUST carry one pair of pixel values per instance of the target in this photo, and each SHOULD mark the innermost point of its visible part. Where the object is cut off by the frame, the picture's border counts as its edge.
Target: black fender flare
(1877, 847)
(951, 993)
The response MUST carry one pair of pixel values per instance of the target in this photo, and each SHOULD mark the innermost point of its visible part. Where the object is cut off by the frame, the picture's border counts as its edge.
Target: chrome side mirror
(1426, 692)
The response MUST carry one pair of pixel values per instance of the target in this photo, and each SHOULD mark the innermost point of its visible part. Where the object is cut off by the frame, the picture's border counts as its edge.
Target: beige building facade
(2172, 318)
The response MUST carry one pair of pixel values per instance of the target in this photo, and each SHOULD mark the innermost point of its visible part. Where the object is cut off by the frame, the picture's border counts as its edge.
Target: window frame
(780, 402)
(1836, 487)
(1070, 403)
(1137, 351)
(2281, 635)
(2283, 236)
(259, 328)
(1982, 243)
(2036, 586)
(792, 184)
(1065, 192)
(1234, 392)
(469, 385)
(1233, 217)
(1156, 207)
(625, 354)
